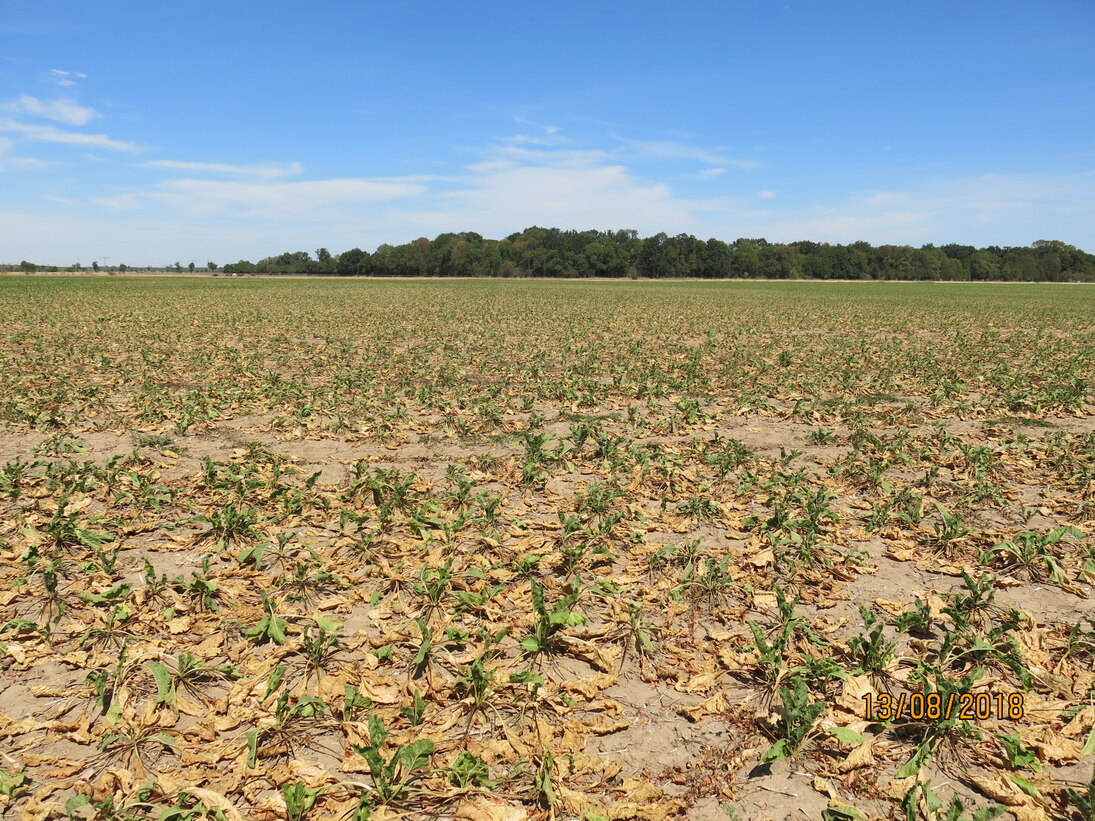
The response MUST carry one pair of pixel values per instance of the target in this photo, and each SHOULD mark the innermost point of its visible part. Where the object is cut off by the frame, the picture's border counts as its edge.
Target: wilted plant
(1031, 554)
(393, 777)
(549, 623)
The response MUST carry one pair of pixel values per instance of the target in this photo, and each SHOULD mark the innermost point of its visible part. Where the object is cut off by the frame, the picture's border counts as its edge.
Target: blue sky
(147, 133)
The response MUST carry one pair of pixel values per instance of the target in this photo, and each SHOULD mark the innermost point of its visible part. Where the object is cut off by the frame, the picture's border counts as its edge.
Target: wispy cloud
(267, 171)
(512, 155)
(66, 78)
(551, 136)
(550, 149)
(557, 149)
(674, 150)
(64, 111)
(12, 162)
(51, 134)
(306, 199)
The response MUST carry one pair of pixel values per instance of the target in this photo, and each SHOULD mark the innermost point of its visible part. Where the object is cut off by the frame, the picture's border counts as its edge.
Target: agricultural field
(489, 550)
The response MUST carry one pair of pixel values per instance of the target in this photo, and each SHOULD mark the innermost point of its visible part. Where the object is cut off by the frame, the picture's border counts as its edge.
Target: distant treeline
(551, 252)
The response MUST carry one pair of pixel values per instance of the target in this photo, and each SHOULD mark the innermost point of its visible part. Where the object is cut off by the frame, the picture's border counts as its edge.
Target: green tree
(746, 258)
(354, 262)
(422, 255)
(654, 256)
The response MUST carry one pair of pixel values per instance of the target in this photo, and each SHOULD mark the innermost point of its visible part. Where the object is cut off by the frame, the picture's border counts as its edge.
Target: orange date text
(939, 707)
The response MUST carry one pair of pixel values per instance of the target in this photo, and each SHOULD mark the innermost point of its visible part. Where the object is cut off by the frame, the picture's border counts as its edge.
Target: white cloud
(51, 134)
(497, 202)
(307, 199)
(550, 181)
(64, 111)
(12, 162)
(672, 150)
(556, 158)
(269, 171)
(549, 149)
(992, 209)
(66, 78)
(487, 166)
(551, 136)
(121, 202)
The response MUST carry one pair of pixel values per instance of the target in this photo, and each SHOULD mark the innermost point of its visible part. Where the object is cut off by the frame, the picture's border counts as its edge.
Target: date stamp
(936, 707)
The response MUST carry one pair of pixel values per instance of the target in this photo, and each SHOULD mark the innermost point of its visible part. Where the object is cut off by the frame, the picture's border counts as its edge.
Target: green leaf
(846, 735)
(76, 802)
(328, 625)
(114, 713)
(777, 752)
(252, 748)
(1018, 755)
(109, 596)
(252, 555)
(168, 742)
(310, 706)
(1089, 745)
(276, 629)
(531, 644)
(259, 630)
(275, 679)
(526, 677)
(913, 765)
(377, 731)
(538, 596)
(13, 785)
(165, 687)
(1026, 786)
(415, 754)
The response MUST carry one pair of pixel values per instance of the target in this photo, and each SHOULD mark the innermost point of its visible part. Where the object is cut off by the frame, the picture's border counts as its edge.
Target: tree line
(552, 252)
(121, 268)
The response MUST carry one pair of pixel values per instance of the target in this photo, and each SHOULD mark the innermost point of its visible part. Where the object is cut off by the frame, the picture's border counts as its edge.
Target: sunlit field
(314, 549)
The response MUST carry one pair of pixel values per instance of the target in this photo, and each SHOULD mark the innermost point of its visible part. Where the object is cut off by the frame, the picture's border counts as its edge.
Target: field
(493, 550)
